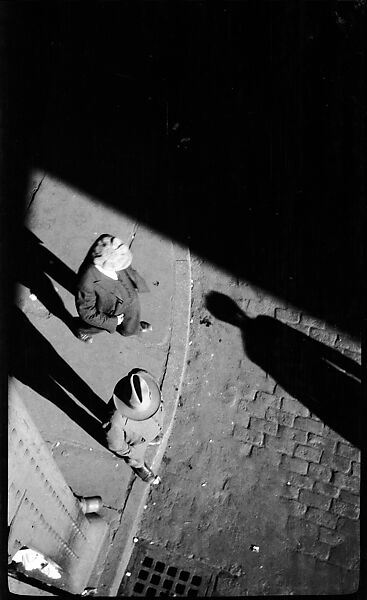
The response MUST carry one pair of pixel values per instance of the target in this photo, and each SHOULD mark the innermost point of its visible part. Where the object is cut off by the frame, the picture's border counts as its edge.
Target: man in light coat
(136, 421)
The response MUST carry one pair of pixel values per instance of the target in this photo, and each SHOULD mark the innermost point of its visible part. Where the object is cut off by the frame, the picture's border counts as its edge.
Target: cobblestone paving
(321, 472)
(250, 464)
(320, 469)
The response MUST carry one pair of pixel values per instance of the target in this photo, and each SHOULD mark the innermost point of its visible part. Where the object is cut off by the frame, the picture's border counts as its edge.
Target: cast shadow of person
(33, 269)
(321, 378)
(34, 362)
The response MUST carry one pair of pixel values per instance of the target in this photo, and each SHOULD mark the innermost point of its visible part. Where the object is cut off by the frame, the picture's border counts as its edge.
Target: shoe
(157, 440)
(146, 475)
(84, 337)
(145, 326)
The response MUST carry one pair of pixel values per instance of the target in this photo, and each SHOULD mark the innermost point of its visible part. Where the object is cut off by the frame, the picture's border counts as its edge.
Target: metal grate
(161, 577)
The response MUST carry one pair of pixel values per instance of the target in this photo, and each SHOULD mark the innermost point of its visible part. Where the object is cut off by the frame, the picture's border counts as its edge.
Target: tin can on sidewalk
(92, 504)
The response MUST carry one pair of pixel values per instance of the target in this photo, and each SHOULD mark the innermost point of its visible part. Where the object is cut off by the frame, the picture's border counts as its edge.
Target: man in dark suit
(107, 291)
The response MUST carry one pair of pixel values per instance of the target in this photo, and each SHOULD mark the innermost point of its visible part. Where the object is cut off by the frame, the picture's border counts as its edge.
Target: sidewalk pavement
(66, 222)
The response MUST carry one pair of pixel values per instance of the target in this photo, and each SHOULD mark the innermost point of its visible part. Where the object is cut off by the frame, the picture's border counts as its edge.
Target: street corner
(172, 374)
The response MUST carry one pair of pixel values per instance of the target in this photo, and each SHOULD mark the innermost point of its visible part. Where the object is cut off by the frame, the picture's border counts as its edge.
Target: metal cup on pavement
(92, 504)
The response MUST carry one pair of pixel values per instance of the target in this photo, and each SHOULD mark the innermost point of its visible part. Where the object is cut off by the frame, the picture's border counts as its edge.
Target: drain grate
(156, 576)
(160, 576)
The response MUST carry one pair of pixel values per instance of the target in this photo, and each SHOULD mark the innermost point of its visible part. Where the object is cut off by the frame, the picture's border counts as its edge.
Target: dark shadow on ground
(322, 379)
(34, 362)
(46, 261)
(236, 130)
(33, 270)
(16, 571)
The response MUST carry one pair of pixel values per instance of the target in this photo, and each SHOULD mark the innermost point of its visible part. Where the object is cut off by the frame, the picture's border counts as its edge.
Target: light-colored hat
(110, 252)
(137, 396)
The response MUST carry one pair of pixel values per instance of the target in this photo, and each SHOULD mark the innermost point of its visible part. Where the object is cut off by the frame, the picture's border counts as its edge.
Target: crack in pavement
(34, 193)
(122, 509)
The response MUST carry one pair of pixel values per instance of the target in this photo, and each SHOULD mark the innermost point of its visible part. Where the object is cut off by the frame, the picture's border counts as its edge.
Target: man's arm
(116, 441)
(138, 281)
(86, 304)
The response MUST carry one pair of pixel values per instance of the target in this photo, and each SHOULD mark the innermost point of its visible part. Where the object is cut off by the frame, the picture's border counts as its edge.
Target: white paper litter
(31, 560)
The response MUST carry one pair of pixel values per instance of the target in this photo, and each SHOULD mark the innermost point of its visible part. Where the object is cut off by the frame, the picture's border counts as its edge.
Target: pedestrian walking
(107, 291)
(136, 421)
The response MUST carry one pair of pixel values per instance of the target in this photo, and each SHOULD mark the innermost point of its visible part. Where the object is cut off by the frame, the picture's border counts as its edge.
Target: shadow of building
(34, 268)
(34, 362)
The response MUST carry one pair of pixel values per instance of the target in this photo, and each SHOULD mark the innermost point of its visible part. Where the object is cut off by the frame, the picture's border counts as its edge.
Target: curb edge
(172, 382)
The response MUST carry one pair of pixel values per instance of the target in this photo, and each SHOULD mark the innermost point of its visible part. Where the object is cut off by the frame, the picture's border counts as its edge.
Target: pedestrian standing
(107, 291)
(136, 421)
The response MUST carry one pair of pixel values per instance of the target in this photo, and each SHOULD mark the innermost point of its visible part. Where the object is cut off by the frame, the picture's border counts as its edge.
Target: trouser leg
(137, 462)
(137, 455)
(131, 323)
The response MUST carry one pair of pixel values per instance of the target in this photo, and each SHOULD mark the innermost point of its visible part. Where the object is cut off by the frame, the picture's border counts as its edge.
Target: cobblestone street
(256, 487)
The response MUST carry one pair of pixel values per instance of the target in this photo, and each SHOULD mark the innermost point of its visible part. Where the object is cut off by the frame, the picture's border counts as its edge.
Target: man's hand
(120, 318)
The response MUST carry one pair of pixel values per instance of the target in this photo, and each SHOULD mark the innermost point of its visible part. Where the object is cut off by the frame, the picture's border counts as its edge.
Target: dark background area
(236, 128)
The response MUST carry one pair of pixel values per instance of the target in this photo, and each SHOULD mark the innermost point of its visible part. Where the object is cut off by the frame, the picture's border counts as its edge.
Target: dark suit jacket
(99, 299)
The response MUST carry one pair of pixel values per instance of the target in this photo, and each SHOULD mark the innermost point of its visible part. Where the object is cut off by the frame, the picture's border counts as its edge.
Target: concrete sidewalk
(64, 222)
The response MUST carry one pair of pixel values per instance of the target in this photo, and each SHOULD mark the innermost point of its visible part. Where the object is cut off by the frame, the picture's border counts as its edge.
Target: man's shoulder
(125, 273)
(87, 275)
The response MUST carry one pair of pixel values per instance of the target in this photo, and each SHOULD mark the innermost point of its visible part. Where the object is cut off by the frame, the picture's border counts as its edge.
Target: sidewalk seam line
(34, 193)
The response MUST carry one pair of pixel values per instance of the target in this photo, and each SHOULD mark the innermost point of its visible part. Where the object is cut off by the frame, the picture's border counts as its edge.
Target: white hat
(137, 396)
